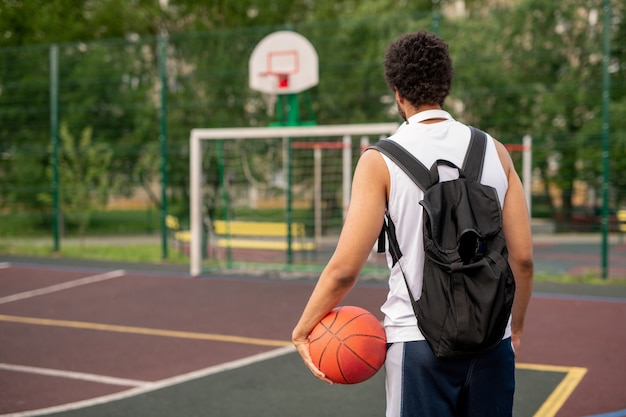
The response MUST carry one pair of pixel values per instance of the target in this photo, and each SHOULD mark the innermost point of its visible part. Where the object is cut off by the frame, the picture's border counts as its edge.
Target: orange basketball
(348, 345)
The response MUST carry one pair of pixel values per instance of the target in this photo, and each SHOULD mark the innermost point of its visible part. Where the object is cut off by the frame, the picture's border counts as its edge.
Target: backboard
(283, 62)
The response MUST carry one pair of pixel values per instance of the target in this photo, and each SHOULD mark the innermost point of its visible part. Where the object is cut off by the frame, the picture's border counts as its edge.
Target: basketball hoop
(283, 62)
(277, 83)
(282, 65)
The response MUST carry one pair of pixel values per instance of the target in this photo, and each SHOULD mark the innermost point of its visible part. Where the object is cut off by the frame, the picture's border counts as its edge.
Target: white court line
(5, 265)
(63, 286)
(164, 383)
(102, 379)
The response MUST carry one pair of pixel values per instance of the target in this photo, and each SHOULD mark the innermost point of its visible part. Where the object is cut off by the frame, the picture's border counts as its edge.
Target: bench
(181, 237)
(240, 234)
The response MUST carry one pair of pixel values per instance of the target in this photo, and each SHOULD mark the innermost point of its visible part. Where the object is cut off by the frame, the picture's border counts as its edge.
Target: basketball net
(279, 82)
(270, 103)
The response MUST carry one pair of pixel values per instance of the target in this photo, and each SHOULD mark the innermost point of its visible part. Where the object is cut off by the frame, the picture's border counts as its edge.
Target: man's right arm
(517, 232)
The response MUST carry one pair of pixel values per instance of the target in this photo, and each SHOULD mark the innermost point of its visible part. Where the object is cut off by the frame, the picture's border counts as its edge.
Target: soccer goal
(259, 191)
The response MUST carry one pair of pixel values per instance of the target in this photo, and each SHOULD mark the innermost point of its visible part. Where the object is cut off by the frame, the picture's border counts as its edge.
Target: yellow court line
(143, 331)
(561, 393)
(548, 409)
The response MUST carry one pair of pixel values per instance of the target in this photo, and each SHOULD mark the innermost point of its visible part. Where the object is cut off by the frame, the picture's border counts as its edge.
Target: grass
(152, 253)
(588, 278)
(109, 222)
(141, 253)
(29, 234)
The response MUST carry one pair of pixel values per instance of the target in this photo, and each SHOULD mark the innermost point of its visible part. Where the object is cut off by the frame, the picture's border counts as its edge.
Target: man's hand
(302, 345)
(515, 341)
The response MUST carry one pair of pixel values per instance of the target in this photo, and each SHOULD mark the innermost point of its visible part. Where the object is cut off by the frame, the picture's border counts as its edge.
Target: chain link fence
(94, 137)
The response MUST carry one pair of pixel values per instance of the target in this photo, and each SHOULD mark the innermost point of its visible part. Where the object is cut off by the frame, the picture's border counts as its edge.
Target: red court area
(70, 335)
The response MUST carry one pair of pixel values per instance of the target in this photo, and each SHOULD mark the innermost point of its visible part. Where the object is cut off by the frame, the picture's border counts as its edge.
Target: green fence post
(436, 17)
(162, 57)
(54, 129)
(606, 123)
(289, 213)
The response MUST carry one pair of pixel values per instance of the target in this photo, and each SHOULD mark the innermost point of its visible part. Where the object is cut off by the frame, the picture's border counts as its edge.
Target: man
(418, 69)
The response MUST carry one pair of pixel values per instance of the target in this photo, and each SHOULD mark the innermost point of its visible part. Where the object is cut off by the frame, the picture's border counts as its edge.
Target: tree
(539, 54)
(84, 176)
(523, 67)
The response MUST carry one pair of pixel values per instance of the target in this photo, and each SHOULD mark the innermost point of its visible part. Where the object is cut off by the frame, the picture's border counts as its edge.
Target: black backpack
(468, 286)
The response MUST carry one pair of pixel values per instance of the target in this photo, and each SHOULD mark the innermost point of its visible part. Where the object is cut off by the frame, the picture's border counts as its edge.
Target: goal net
(272, 195)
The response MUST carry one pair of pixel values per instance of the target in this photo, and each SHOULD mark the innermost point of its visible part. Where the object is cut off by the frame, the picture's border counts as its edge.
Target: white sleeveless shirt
(428, 142)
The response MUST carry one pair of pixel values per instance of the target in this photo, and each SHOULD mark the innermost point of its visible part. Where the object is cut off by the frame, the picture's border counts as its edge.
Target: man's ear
(399, 98)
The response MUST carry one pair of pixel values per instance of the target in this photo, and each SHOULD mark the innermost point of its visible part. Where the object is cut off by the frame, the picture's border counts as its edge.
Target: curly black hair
(419, 67)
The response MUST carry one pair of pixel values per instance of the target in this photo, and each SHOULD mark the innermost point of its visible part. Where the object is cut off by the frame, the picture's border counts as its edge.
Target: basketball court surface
(94, 341)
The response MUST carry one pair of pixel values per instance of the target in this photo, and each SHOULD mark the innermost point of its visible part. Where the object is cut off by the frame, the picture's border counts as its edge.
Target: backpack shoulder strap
(407, 162)
(475, 156)
(420, 176)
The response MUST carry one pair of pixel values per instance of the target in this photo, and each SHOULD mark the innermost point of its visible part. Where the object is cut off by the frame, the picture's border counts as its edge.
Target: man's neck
(412, 111)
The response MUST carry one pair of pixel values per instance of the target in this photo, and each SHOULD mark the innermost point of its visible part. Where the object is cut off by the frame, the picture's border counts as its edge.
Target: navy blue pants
(481, 386)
